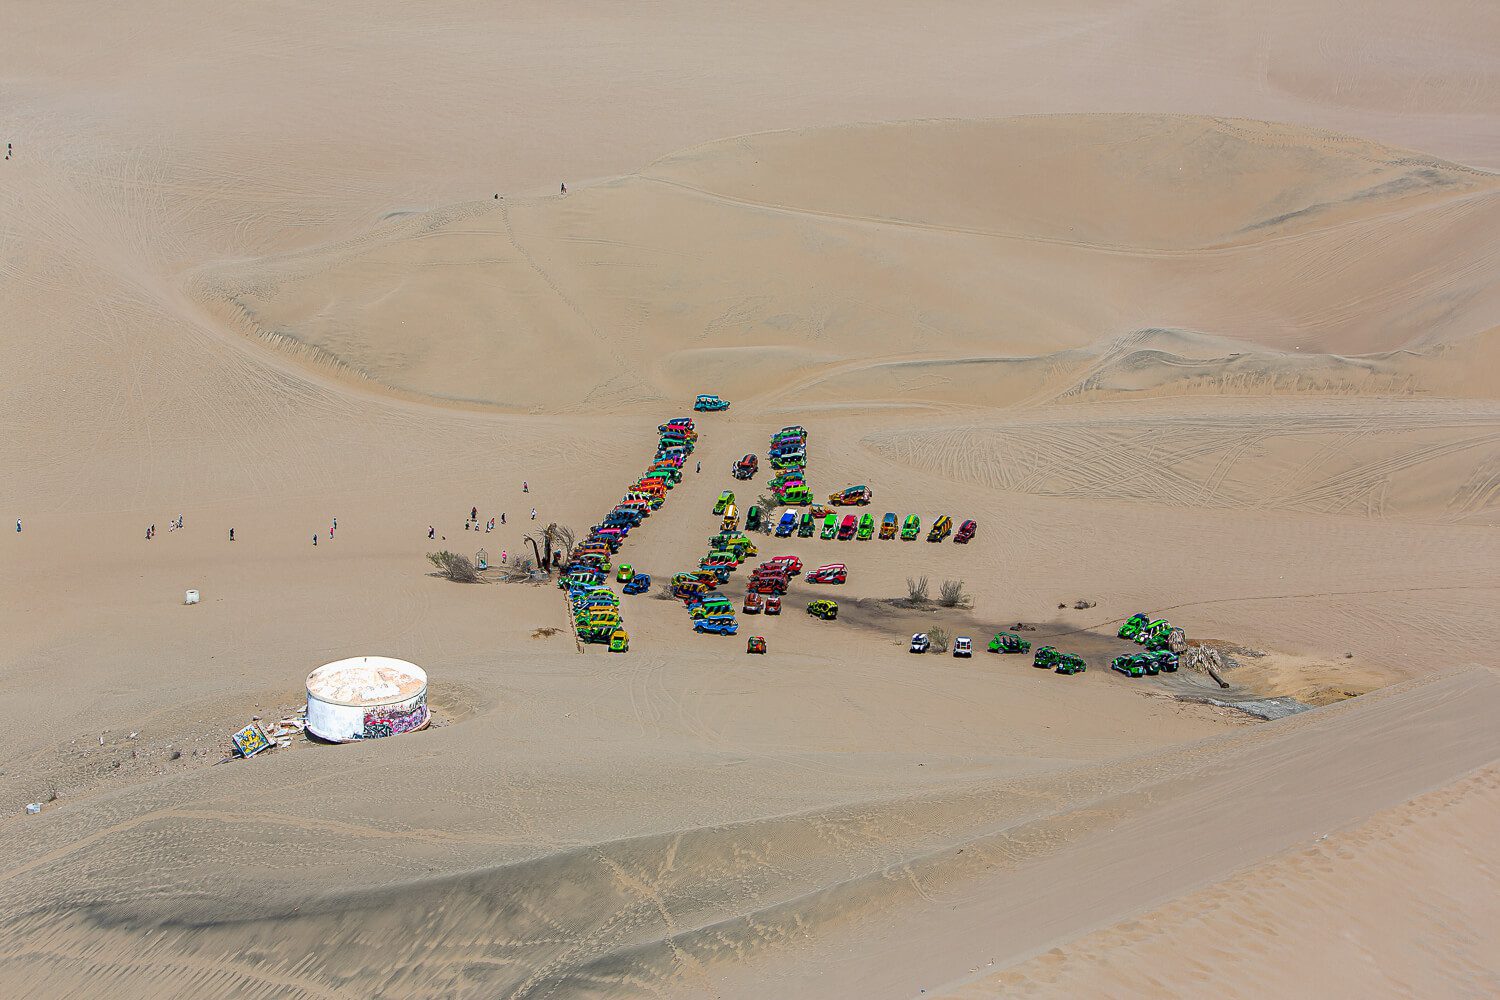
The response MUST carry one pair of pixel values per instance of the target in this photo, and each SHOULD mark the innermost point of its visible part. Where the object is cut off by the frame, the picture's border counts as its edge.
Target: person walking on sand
(533, 513)
(231, 534)
(430, 532)
(502, 517)
(524, 487)
(335, 522)
(699, 469)
(18, 525)
(565, 187)
(315, 538)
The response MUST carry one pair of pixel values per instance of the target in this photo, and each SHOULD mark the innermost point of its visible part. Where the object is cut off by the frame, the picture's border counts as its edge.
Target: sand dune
(623, 275)
(1192, 307)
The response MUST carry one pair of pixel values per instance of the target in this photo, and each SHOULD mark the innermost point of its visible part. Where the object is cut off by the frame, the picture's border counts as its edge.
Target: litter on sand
(250, 741)
(254, 738)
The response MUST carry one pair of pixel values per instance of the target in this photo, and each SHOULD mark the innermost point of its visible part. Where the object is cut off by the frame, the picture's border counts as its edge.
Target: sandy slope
(252, 270)
(725, 909)
(1428, 859)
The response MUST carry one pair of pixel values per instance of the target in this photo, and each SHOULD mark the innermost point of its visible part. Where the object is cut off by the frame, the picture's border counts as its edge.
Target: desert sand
(1193, 308)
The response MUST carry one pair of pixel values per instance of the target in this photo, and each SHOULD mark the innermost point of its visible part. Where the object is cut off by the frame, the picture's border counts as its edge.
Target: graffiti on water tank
(391, 721)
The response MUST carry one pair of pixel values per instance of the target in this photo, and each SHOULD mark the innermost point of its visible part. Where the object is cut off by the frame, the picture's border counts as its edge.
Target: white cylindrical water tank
(191, 597)
(365, 698)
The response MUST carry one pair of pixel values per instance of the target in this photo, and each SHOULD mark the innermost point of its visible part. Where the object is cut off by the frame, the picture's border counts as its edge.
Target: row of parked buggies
(1162, 642)
(713, 613)
(1048, 657)
(1159, 637)
(710, 613)
(596, 608)
(788, 457)
(830, 525)
(1052, 658)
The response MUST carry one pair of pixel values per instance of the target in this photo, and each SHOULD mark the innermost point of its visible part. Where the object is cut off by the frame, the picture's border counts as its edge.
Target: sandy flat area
(1194, 309)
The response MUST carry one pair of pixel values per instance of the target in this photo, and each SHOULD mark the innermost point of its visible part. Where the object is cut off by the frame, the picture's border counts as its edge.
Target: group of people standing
(172, 525)
(176, 524)
(473, 521)
(332, 530)
(333, 527)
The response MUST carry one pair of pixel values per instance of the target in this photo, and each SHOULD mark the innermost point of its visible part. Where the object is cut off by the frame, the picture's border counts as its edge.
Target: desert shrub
(939, 639)
(916, 589)
(454, 566)
(768, 515)
(951, 594)
(517, 569)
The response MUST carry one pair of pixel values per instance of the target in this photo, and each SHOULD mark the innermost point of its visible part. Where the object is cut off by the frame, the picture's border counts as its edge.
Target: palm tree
(555, 537)
(535, 551)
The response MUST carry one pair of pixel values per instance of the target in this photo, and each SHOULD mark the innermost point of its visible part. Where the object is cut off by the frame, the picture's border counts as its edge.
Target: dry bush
(517, 569)
(768, 515)
(939, 639)
(454, 566)
(1205, 659)
(916, 589)
(951, 594)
